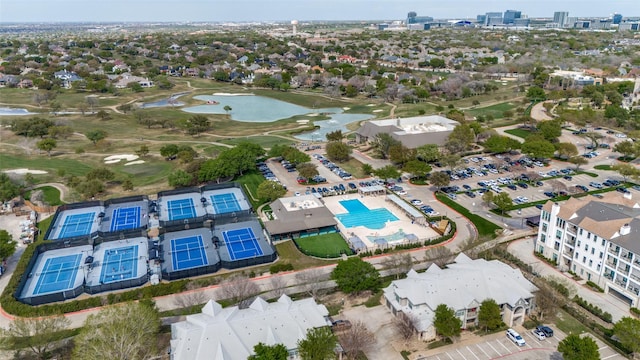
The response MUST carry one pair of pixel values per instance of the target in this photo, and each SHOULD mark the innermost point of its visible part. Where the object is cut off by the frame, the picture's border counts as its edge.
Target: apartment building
(597, 238)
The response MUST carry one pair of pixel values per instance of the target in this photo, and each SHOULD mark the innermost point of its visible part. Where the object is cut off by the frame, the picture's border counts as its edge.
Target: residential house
(9, 80)
(25, 84)
(231, 333)
(67, 77)
(126, 79)
(597, 239)
(462, 286)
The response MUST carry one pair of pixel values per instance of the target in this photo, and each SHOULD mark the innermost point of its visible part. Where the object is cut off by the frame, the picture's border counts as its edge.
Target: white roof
(461, 285)
(231, 333)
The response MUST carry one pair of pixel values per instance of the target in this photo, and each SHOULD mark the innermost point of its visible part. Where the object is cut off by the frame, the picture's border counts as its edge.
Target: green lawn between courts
(324, 246)
(522, 133)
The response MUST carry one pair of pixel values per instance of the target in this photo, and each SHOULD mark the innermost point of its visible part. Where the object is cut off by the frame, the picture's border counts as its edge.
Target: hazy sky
(264, 10)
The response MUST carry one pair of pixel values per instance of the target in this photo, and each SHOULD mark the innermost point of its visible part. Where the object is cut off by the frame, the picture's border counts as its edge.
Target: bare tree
(36, 334)
(311, 280)
(439, 255)
(402, 263)
(548, 301)
(357, 339)
(470, 247)
(239, 290)
(557, 185)
(405, 325)
(278, 285)
(190, 299)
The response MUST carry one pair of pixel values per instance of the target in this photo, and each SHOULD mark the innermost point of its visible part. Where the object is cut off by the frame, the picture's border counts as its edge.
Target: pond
(14, 112)
(171, 101)
(253, 108)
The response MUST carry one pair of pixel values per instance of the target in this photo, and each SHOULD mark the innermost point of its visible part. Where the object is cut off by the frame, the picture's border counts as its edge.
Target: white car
(620, 135)
(515, 337)
(401, 192)
(416, 202)
(538, 334)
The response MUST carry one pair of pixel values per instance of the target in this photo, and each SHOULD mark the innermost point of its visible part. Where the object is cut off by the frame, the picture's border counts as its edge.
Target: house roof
(299, 213)
(231, 333)
(412, 132)
(461, 285)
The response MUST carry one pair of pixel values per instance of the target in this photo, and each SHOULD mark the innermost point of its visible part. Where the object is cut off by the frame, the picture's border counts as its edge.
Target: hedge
(595, 310)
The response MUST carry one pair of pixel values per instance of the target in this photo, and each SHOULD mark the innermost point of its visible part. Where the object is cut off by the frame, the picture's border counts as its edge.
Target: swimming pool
(360, 215)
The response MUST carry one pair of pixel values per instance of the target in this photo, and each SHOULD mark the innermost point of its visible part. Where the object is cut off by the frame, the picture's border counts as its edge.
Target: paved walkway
(523, 249)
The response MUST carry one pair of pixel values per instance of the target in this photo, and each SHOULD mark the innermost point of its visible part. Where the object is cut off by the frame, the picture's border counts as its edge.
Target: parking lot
(499, 346)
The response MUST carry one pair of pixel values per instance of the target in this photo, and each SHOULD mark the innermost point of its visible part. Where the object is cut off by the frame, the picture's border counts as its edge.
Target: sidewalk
(523, 249)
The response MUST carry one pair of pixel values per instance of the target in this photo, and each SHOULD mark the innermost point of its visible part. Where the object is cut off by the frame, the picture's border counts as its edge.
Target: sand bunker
(371, 104)
(346, 108)
(314, 114)
(379, 110)
(302, 121)
(25, 171)
(117, 158)
(229, 94)
(134, 162)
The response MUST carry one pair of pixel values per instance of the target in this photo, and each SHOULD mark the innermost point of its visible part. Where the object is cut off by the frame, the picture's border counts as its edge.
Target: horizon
(242, 11)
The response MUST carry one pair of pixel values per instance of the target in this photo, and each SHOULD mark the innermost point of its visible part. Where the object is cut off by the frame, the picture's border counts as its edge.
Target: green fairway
(152, 171)
(497, 110)
(324, 246)
(50, 164)
(264, 141)
(51, 195)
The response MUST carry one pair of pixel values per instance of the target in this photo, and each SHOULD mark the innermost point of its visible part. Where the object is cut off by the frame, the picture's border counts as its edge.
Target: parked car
(582, 187)
(416, 202)
(596, 185)
(515, 337)
(341, 325)
(538, 334)
(548, 332)
(567, 177)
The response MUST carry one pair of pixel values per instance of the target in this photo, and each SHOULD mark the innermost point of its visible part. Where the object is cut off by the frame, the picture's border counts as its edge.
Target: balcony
(572, 229)
(621, 282)
(624, 269)
(608, 276)
(635, 276)
(626, 255)
(570, 242)
(611, 263)
(613, 250)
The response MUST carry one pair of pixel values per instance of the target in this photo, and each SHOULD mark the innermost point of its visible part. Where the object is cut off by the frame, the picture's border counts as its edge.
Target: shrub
(635, 311)
(276, 268)
(595, 310)
(595, 286)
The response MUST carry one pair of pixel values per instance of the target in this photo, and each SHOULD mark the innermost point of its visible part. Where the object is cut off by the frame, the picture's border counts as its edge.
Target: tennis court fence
(258, 260)
(118, 285)
(181, 274)
(180, 191)
(128, 199)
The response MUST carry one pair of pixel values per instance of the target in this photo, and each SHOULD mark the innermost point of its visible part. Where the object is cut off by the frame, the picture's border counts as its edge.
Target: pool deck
(373, 202)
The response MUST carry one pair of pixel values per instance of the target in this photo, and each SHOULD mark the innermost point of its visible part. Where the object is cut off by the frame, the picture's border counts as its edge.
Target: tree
(180, 178)
(627, 330)
(334, 135)
(101, 173)
(548, 300)
(103, 115)
(405, 325)
(47, 145)
(169, 150)
(594, 137)
(574, 347)
(566, 150)
(450, 160)
(536, 93)
(626, 170)
(487, 197)
(270, 190)
(33, 127)
(355, 275)
(239, 290)
(417, 168)
(8, 188)
(489, 317)
(538, 148)
(144, 118)
(460, 139)
(356, 339)
(439, 255)
(127, 184)
(96, 135)
(399, 262)
(227, 108)
(367, 169)
(338, 151)
(501, 144)
(446, 323)
(266, 352)
(7, 245)
(439, 179)
(382, 143)
(428, 152)
(39, 335)
(143, 151)
(387, 172)
(319, 344)
(502, 201)
(626, 148)
(577, 161)
(60, 132)
(128, 331)
(550, 130)
(90, 188)
(197, 124)
(312, 280)
(307, 170)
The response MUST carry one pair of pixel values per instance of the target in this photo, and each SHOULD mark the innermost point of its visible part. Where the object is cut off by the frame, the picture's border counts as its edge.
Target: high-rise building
(493, 18)
(510, 16)
(481, 19)
(617, 18)
(413, 18)
(561, 18)
(596, 238)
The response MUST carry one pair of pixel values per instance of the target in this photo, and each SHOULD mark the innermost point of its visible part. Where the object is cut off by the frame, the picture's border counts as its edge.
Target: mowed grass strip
(521, 133)
(324, 246)
(484, 226)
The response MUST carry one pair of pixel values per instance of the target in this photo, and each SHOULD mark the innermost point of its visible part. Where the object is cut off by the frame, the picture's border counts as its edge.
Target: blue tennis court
(181, 209)
(58, 274)
(125, 218)
(188, 253)
(77, 225)
(225, 203)
(241, 244)
(119, 264)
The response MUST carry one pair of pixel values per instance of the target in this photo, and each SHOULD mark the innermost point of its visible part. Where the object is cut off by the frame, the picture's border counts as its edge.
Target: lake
(253, 108)
(14, 112)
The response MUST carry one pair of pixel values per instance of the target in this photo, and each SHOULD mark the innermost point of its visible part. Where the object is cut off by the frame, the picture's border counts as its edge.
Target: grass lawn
(497, 110)
(602, 167)
(324, 246)
(569, 325)
(264, 141)
(50, 164)
(43, 226)
(484, 226)
(51, 195)
(289, 253)
(354, 167)
(250, 182)
(519, 133)
(151, 172)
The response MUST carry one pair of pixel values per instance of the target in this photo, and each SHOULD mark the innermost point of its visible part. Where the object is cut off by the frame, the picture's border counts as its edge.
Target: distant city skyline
(279, 10)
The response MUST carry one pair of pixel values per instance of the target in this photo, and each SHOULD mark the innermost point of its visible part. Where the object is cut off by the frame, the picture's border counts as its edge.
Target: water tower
(294, 23)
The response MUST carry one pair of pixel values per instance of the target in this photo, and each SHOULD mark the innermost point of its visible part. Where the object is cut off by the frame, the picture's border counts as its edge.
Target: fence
(249, 262)
(118, 285)
(181, 274)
